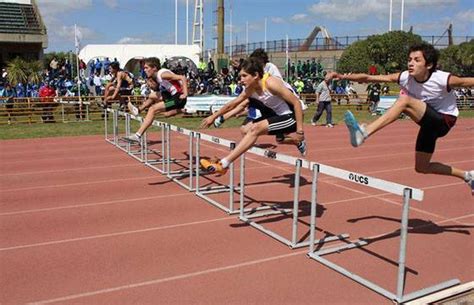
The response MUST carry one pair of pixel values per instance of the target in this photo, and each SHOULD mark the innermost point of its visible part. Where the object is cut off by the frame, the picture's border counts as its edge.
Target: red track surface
(83, 223)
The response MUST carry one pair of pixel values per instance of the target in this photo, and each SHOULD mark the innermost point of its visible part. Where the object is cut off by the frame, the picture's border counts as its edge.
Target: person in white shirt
(272, 93)
(171, 95)
(427, 99)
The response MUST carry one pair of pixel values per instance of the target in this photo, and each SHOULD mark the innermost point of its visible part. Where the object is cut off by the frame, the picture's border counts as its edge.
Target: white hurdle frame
(202, 192)
(401, 190)
(153, 163)
(175, 175)
(247, 218)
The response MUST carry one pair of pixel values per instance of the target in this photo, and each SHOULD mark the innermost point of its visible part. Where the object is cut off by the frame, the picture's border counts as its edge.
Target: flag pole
(76, 42)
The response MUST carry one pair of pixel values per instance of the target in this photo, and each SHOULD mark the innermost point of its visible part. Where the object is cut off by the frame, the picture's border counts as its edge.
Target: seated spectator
(8, 95)
(47, 94)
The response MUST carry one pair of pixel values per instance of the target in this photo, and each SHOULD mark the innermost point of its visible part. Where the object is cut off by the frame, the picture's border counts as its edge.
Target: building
(22, 31)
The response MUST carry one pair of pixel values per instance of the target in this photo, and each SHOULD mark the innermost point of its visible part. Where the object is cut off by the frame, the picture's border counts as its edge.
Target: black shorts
(173, 102)
(125, 91)
(433, 125)
(281, 124)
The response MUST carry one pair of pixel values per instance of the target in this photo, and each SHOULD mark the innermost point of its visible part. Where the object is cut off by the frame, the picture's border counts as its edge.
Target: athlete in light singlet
(271, 92)
(170, 98)
(427, 99)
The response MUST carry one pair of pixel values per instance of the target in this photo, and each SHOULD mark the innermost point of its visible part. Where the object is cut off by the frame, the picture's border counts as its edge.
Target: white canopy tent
(126, 52)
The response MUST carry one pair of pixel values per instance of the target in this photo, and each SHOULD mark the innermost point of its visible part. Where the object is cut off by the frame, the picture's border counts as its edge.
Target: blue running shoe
(357, 132)
(302, 147)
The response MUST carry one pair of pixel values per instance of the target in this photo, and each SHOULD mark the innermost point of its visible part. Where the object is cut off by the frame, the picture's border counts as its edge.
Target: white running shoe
(330, 125)
(133, 110)
(357, 132)
(134, 138)
(469, 178)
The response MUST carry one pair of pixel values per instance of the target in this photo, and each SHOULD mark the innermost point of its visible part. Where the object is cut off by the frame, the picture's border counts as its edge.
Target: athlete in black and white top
(272, 93)
(120, 85)
(170, 95)
(427, 99)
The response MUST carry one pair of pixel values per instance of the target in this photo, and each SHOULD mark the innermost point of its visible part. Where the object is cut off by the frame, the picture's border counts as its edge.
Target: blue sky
(152, 21)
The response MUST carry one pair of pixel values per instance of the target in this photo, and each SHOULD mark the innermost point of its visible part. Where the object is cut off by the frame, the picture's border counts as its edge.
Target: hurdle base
(289, 243)
(380, 290)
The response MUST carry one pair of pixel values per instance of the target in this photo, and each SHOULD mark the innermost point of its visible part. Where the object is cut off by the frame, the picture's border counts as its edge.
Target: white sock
(138, 135)
(224, 163)
(468, 176)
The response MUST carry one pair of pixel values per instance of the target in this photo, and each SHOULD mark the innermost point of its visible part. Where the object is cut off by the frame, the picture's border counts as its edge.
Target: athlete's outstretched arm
(227, 107)
(366, 78)
(456, 81)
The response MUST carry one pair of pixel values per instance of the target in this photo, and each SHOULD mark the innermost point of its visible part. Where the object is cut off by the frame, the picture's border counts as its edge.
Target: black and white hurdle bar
(390, 187)
(293, 243)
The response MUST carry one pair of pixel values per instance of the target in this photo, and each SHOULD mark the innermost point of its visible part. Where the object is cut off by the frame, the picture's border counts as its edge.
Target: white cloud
(111, 3)
(278, 20)
(465, 17)
(299, 18)
(349, 10)
(132, 40)
(66, 33)
(353, 10)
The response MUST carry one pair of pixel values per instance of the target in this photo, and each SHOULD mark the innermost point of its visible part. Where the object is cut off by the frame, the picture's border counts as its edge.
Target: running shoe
(329, 125)
(134, 138)
(219, 121)
(302, 147)
(313, 123)
(470, 180)
(133, 110)
(213, 166)
(357, 132)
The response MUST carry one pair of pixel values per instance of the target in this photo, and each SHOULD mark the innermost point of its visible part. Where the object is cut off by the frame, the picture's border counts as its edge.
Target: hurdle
(293, 243)
(202, 192)
(408, 193)
(111, 139)
(161, 159)
(189, 172)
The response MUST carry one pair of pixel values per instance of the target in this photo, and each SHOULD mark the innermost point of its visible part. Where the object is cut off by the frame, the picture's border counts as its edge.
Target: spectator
(47, 94)
(98, 66)
(210, 66)
(8, 95)
(323, 99)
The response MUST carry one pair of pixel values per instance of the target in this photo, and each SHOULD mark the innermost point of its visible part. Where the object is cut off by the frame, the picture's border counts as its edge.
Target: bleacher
(18, 18)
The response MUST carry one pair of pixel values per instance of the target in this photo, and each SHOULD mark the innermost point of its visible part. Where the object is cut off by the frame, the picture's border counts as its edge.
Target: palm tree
(17, 71)
(35, 69)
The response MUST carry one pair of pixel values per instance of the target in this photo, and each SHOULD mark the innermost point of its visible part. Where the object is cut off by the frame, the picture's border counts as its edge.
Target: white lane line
(169, 279)
(95, 204)
(78, 184)
(63, 241)
(67, 170)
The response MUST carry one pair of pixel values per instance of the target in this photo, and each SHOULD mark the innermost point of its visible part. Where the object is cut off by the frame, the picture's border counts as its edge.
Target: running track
(83, 223)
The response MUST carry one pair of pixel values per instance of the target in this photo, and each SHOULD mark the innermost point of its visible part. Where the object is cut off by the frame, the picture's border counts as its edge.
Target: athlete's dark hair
(115, 65)
(253, 66)
(430, 54)
(260, 54)
(153, 62)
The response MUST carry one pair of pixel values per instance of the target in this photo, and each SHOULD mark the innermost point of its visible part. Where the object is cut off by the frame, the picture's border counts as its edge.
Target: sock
(467, 176)
(224, 163)
(138, 135)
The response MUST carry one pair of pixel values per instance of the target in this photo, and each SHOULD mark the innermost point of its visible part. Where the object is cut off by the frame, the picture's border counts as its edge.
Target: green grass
(40, 130)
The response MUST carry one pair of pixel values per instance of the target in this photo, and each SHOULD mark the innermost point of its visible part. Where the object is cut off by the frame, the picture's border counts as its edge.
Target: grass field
(40, 130)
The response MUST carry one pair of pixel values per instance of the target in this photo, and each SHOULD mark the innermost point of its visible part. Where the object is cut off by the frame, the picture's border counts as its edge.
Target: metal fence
(323, 44)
